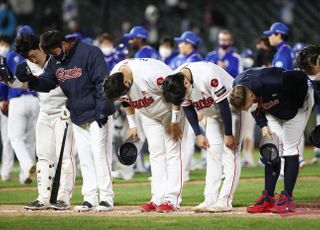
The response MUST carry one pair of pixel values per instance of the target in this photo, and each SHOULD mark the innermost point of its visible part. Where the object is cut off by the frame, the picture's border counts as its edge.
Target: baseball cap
(189, 37)
(25, 29)
(277, 27)
(137, 32)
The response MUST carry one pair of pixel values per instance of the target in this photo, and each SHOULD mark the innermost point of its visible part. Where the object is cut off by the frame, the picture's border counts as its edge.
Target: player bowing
(138, 82)
(206, 86)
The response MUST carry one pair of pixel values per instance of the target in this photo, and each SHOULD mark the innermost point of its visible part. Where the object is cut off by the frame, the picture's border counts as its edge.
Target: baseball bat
(56, 181)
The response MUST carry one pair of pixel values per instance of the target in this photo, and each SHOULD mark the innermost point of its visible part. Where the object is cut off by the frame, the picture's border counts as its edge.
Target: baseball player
(79, 69)
(281, 102)
(50, 127)
(138, 82)
(206, 86)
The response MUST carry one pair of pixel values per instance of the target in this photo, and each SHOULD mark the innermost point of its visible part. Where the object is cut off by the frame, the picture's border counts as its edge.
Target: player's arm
(129, 110)
(262, 122)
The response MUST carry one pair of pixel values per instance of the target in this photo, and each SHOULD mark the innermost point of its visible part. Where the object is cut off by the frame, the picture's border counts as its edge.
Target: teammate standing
(206, 86)
(79, 69)
(281, 102)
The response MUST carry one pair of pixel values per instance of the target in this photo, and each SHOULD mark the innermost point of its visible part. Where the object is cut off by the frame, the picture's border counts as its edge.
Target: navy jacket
(80, 78)
(280, 93)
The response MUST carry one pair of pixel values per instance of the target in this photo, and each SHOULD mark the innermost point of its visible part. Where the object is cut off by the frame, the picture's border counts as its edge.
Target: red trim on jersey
(221, 97)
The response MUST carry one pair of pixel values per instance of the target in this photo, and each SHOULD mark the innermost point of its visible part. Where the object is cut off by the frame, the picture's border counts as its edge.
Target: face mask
(4, 50)
(62, 56)
(248, 63)
(224, 46)
(106, 50)
(253, 107)
(165, 52)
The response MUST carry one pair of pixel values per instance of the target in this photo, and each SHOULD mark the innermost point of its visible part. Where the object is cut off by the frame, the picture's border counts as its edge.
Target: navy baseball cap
(25, 29)
(137, 32)
(189, 37)
(277, 27)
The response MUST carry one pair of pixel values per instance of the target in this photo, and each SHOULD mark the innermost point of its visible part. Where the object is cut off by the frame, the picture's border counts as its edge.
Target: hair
(5, 38)
(51, 40)
(238, 97)
(168, 40)
(307, 58)
(104, 36)
(226, 32)
(284, 37)
(113, 86)
(173, 89)
(26, 42)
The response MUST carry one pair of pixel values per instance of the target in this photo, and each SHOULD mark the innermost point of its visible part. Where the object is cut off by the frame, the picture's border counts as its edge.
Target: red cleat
(283, 204)
(166, 207)
(263, 204)
(149, 207)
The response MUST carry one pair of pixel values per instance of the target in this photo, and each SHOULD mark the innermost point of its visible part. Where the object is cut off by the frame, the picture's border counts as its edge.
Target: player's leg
(154, 132)
(293, 132)
(102, 164)
(231, 166)
(68, 166)
(17, 124)
(316, 157)
(83, 143)
(188, 153)
(7, 151)
(248, 143)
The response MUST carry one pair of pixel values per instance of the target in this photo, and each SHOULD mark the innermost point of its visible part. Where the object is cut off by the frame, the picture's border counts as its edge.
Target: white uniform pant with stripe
(219, 155)
(92, 143)
(165, 160)
(49, 135)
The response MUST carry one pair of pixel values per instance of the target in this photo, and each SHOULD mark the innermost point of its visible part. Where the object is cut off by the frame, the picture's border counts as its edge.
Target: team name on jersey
(203, 103)
(270, 104)
(141, 103)
(65, 74)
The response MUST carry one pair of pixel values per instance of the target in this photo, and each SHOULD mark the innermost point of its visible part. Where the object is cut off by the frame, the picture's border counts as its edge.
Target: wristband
(176, 116)
(131, 121)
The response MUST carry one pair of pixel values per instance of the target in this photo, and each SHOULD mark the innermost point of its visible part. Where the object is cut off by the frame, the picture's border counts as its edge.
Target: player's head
(188, 42)
(174, 88)
(277, 33)
(54, 43)
(27, 45)
(241, 98)
(105, 43)
(225, 39)
(116, 86)
(137, 37)
(308, 60)
(166, 47)
(4, 45)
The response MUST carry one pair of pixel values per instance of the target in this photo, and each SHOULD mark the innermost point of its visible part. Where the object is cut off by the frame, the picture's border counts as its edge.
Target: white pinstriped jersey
(145, 93)
(211, 84)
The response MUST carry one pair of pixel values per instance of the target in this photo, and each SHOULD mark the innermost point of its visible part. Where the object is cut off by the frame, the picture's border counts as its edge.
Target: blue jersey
(179, 60)
(117, 55)
(80, 77)
(280, 92)
(147, 52)
(168, 60)
(231, 60)
(283, 57)
(12, 59)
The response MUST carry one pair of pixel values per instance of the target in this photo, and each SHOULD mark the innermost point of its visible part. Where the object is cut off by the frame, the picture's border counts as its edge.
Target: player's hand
(133, 134)
(175, 131)
(23, 72)
(202, 141)
(101, 119)
(266, 132)
(5, 108)
(229, 141)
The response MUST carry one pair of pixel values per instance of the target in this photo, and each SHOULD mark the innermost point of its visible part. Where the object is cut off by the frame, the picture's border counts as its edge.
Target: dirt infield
(132, 211)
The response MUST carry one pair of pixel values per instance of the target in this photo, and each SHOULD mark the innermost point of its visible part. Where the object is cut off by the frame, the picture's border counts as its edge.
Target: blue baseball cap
(277, 27)
(137, 32)
(25, 29)
(189, 37)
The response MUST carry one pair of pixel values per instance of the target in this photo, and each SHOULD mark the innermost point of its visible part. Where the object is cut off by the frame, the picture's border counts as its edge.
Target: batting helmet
(129, 151)
(269, 150)
(315, 136)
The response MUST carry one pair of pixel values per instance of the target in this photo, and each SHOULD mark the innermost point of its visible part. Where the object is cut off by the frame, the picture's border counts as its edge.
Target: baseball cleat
(60, 205)
(149, 207)
(202, 207)
(36, 205)
(220, 206)
(104, 206)
(166, 207)
(263, 204)
(85, 207)
(283, 204)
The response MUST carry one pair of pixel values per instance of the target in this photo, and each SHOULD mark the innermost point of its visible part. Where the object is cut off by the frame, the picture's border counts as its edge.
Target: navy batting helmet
(269, 150)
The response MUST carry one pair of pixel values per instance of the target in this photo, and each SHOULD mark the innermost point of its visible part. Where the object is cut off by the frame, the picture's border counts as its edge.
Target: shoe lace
(282, 199)
(167, 202)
